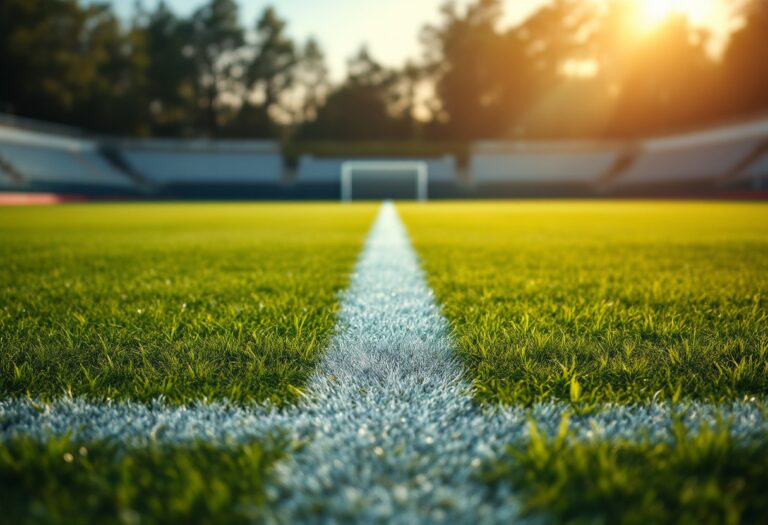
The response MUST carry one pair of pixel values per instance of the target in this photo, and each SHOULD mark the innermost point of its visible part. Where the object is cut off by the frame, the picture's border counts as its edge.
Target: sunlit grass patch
(65, 481)
(702, 477)
(602, 301)
(184, 301)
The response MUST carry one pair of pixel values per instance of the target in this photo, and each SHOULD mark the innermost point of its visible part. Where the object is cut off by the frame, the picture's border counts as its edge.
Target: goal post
(352, 169)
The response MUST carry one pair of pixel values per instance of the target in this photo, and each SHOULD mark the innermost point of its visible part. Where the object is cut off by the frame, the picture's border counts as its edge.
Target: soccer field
(577, 362)
(180, 301)
(628, 303)
(602, 302)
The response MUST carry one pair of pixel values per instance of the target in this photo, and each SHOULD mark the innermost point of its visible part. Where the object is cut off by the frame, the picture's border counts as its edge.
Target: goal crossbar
(419, 168)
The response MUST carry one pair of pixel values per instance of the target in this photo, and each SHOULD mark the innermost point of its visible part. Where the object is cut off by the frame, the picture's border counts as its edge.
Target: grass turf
(602, 301)
(66, 482)
(184, 301)
(696, 478)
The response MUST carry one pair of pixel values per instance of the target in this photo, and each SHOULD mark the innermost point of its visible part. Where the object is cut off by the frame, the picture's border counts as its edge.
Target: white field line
(391, 432)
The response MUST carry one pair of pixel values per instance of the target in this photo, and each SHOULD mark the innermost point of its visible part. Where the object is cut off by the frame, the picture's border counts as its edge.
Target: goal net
(384, 180)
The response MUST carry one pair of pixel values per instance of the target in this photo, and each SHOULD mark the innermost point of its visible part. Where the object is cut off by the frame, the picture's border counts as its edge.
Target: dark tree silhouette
(204, 75)
(215, 35)
(171, 73)
(746, 62)
(668, 83)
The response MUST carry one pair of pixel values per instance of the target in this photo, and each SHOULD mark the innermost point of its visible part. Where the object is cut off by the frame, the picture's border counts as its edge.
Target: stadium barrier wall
(48, 158)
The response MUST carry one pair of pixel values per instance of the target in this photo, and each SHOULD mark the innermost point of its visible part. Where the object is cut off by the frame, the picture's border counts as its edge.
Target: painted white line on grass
(399, 440)
(137, 425)
(391, 433)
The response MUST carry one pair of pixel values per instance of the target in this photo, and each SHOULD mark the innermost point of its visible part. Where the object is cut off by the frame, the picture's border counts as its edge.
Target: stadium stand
(5, 179)
(166, 162)
(694, 161)
(757, 172)
(38, 157)
(524, 167)
(9, 177)
(38, 161)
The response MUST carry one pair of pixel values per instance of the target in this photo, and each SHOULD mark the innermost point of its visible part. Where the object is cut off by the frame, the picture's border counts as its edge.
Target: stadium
(729, 160)
(250, 278)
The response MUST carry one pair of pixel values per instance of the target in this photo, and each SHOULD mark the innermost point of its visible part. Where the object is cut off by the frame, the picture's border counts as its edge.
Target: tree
(312, 78)
(268, 65)
(171, 72)
(271, 71)
(359, 108)
(114, 100)
(74, 62)
(668, 82)
(486, 77)
(69, 64)
(466, 52)
(405, 98)
(215, 35)
(745, 62)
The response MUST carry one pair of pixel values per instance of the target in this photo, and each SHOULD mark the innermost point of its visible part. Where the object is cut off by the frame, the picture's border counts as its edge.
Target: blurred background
(219, 98)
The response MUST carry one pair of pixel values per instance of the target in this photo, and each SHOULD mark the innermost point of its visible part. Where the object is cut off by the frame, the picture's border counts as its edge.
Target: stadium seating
(545, 163)
(170, 162)
(316, 170)
(757, 172)
(703, 157)
(40, 157)
(5, 179)
(52, 162)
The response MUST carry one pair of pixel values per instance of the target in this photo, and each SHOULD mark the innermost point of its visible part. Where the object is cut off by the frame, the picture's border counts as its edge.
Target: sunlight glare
(651, 13)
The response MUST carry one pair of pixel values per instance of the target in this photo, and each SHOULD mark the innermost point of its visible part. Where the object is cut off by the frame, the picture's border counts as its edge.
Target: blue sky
(391, 28)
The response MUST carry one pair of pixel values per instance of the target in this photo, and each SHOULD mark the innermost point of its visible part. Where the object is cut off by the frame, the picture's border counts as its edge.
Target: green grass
(698, 479)
(66, 482)
(602, 301)
(187, 301)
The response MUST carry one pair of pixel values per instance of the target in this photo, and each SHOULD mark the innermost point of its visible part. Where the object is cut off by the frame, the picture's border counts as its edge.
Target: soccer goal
(356, 174)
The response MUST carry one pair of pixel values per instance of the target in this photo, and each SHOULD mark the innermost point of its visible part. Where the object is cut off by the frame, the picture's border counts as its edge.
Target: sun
(651, 13)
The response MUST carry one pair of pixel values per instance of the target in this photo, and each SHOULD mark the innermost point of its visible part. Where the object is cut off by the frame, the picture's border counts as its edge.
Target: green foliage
(366, 92)
(745, 61)
(70, 63)
(591, 302)
(276, 58)
(181, 301)
(62, 481)
(215, 34)
(74, 62)
(271, 68)
(704, 477)
(170, 73)
(656, 89)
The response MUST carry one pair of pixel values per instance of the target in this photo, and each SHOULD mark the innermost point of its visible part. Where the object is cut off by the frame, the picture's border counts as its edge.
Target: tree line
(571, 69)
